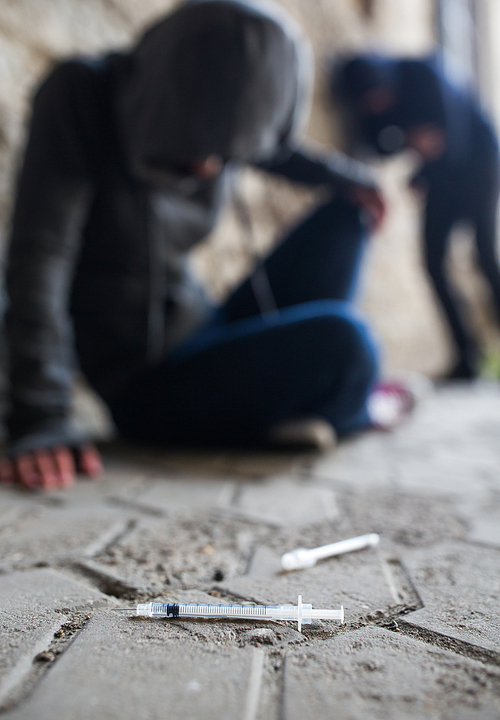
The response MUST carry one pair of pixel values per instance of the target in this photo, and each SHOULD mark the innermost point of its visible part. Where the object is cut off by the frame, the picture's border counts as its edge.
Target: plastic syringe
(302, 613)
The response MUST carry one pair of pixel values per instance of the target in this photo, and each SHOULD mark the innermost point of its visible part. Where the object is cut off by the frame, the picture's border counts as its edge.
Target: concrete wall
(395, 294)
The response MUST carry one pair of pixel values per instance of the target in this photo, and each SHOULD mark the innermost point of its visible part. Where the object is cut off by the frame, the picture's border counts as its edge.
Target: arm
(52, 200)
(332, 169)
(352, 179)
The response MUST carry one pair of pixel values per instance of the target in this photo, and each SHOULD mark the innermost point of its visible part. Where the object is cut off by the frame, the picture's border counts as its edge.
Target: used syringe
(301, 613)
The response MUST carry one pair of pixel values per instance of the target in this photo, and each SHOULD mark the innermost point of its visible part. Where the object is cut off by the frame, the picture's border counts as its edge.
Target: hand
(372, 200)
(428, 139)
(51, 468)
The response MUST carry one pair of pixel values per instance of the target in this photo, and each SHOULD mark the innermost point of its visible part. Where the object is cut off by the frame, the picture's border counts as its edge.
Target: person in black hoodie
(127, 164)
(393, 104)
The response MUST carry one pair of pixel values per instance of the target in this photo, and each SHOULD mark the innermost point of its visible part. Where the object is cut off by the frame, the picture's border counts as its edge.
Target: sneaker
(389, 404)
(309, 432)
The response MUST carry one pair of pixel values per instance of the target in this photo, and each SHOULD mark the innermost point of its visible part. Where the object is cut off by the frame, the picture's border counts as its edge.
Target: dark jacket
(99, 248)
(463, 181)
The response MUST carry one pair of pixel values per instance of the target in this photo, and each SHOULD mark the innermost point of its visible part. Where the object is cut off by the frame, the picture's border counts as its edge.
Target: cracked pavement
(422, 631)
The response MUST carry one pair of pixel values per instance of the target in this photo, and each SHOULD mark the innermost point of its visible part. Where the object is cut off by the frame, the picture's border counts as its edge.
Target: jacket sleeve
(53, 195)
(331, 169)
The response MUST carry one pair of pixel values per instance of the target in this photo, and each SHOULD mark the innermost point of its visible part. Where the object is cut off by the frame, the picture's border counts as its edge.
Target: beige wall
(395, 293)
(488, 46)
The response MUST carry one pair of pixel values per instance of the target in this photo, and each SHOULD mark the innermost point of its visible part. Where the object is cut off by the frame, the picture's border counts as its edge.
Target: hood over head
(353, 77)
(215, 77)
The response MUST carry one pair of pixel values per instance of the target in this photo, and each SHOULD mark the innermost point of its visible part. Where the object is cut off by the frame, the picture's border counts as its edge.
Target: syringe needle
(301, 558)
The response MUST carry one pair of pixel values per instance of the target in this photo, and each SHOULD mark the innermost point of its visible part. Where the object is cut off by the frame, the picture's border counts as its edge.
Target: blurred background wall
(394, 292)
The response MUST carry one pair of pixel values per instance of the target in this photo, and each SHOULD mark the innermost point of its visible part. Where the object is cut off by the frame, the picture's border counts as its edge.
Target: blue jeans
(248, 369)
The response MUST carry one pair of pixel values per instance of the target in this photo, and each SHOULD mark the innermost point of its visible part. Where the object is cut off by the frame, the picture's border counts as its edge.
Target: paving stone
(482, 515)
(33, 606)
(449, 446)
(153, 461)
(263, 464)
(121, 477)
(266, 563)
(116, 480)
(363, 582)
(374, 673)
(459, 586)
(205, 463)
(12, 513)
(13, 504)
(192, 550)
(445, 472)
(486, 529)
(453, 446)
(113, 583)
(359, 462)
(431, 466)
(133, 667)
(51, 531)
(286, 501)
(257, 464)
(172, 494)
(404, 518)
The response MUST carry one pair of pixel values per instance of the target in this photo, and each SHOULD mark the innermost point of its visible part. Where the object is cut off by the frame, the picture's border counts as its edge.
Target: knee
(342, 334)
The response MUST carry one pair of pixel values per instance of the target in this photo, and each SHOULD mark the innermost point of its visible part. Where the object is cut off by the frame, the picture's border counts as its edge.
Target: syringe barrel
(153, 609)
(240, 612)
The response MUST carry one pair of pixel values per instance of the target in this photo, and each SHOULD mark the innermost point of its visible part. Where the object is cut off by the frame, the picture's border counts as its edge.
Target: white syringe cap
(298, 559)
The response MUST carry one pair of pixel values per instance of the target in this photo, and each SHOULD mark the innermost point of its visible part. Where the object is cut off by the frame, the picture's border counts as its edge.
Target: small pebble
(260, 636)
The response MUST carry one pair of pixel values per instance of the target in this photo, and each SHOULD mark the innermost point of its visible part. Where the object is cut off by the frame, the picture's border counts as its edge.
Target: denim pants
(310, 354)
